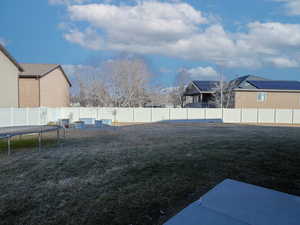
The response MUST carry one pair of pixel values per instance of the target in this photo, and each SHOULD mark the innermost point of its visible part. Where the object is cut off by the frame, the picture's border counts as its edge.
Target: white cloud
(282, 62)
(203, 73)
(179, 30)
(147, 21)
(292, 6)
(88, 38)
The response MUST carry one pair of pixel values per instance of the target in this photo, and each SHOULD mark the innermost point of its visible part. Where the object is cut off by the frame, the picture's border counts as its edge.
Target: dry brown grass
(141, 174)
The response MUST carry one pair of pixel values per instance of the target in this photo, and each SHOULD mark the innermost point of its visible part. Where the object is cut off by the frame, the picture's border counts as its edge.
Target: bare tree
(127, 81)
(177, 94)
(223, 95)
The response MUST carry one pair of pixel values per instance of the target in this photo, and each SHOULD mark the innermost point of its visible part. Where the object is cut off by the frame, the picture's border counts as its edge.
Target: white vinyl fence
(42, 116)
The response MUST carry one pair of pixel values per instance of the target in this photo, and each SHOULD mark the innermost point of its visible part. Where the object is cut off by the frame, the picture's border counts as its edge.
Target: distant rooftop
(31, 69)
(39, 70)
(206, 85)
(275, 84)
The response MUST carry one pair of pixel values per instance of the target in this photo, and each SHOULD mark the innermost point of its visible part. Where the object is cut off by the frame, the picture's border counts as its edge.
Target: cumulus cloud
(203, 73)
(292, 6)
(177, 29)
(88, 38)
(282, 62)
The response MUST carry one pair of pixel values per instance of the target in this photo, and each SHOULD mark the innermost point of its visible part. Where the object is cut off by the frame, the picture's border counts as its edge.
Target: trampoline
(9, 132)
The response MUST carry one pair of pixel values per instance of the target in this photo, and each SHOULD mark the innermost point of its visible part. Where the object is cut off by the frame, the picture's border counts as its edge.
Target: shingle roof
(12, 59)
(236, 82)
(37, 69)
(276, 84)
(206, 85)
(40, 70)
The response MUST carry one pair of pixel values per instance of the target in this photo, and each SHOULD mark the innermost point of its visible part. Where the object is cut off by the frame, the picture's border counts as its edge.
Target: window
(262, 96)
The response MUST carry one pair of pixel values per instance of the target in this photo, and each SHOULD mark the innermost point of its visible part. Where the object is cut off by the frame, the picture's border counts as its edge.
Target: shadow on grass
(19, 144)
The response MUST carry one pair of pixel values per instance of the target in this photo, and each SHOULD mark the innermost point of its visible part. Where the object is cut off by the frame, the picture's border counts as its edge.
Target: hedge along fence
(42, 116)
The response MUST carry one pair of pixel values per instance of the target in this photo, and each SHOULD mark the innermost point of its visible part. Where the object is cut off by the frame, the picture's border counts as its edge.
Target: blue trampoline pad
(237, 203)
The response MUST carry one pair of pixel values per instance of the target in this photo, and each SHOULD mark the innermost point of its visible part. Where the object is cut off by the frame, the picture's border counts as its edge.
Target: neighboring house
(268, 94)
(9, 72)
(43, 85)
(239, 83)
(199, 94)
(32, 85)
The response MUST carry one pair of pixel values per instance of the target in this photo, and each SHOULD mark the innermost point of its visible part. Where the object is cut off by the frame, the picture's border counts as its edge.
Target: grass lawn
(140, 175)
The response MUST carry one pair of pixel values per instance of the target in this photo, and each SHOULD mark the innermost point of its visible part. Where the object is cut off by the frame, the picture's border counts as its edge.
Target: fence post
(40, 116)
(187, 113)
(257, 115)
(133, 112)
(223, 114)
(241, 115)
(205, 113)
(27, 116)
(275, 120)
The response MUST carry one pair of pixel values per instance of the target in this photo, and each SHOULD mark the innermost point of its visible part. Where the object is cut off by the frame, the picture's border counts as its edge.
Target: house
(9, 72)
(43, 85)
(32, 85)
(268, 94)
(200, 94)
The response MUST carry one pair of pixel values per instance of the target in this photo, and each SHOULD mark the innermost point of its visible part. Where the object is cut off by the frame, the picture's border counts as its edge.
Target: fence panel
(34, 116)
(196, 114)
(108, 113)
(5, 117)
(284, 116)
(213, 114)
(88, 112)
(125, 115)
(53, 114)
(296, 116)
(40, 116)
(266, 116)
(178, 114)
(232, 115)
(160, 114)
(19, 117)
(143, 115)
(249, 115)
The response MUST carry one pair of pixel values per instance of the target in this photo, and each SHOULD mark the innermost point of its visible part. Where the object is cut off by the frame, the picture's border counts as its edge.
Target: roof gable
(206, 86)
(40, 70)
(12, 59)
(31, 69)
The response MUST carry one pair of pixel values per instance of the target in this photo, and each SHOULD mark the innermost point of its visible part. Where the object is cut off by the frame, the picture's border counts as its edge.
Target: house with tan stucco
(43, 85)
(32, 85)
(9, 79)
(273, 94)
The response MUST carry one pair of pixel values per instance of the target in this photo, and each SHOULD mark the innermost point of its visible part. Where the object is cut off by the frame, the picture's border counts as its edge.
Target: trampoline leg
(40, 141)
(57, 133)
(8, 145)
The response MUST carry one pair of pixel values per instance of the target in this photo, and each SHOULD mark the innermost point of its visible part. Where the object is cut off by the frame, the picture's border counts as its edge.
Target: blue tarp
(237, 203)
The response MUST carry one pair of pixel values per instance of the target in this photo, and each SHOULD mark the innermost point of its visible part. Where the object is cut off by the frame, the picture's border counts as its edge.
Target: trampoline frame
(34, 130)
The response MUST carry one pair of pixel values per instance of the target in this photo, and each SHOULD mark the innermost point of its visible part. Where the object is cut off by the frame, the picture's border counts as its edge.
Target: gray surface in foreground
(21, 130)
(236, 203)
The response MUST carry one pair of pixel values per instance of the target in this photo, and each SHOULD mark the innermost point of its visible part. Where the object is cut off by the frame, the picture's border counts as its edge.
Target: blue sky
(260, 37)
